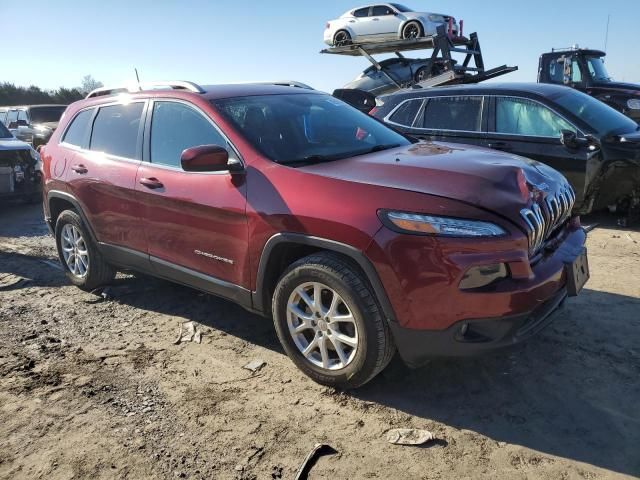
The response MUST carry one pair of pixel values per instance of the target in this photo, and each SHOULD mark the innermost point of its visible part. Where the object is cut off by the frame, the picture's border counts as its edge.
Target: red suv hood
(481, 177)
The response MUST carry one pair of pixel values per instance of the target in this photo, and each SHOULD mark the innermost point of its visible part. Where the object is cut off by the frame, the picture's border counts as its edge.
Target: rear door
(360, 21)
(195, 222)
(532, 129)
(102, 177)
(457, 119)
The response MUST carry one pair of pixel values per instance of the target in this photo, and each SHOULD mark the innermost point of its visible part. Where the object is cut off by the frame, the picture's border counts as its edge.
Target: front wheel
(82, 262)
(329, 322)
(412, 30)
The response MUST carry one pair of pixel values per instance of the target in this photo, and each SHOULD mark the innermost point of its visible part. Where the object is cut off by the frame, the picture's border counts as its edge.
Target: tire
(422, 74)
(412, 29)
(356, 318)
(91, 270)
(341, 38)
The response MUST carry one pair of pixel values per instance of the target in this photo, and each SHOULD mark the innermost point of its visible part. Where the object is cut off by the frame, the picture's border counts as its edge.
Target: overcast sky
(55, 43)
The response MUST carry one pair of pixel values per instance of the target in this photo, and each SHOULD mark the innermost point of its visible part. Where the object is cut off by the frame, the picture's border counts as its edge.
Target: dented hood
(499, 182)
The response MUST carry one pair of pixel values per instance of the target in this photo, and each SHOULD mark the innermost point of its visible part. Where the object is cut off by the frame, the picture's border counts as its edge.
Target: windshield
(46, 114)
(306, 128)
(597, 70)
(4, 132)
(599, 116)
(401, 8)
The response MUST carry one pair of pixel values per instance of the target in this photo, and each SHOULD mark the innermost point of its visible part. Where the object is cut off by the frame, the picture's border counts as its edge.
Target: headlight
(634, 104)
(419, 224)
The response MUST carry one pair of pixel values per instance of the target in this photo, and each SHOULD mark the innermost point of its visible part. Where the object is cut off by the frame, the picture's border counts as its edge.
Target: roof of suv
(539, 89)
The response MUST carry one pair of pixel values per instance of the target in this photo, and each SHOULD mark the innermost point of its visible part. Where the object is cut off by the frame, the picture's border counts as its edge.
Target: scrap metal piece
(409, 436)
(319, 450)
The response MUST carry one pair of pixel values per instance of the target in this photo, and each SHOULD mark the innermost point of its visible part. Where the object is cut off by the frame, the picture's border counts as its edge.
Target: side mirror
(206, 158)
(571, 141)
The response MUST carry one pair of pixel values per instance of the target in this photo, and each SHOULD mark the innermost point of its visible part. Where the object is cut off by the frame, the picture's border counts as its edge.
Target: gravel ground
(95, 387)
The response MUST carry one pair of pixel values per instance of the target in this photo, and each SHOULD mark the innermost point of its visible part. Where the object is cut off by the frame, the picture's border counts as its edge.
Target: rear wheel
(412, 30)
(341, 38)
(82, 262)
(329, 323)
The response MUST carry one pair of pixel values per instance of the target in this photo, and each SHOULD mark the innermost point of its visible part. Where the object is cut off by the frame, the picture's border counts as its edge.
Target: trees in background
(13, 95)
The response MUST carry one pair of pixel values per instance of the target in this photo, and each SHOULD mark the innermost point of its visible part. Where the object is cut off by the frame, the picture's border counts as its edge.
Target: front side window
(406, 112)
(381, 10)
(76, 134)
(519, 116)
(176, 127)
(306, 128)
(452, 113)
(361, 12)
(115, 129)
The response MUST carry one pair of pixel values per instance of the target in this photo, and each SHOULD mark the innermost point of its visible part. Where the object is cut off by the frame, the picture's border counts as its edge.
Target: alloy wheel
(74, 250)
(412, 30)
(341, 38)
(322, 326)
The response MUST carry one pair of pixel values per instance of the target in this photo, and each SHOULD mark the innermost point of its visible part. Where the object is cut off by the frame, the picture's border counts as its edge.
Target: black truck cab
(584, 70)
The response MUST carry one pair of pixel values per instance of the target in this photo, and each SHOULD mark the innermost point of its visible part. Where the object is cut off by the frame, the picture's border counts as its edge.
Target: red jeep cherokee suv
(355, 239)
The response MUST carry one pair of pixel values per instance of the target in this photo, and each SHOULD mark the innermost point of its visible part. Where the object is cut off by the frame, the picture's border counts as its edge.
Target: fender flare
(76, 205)
(330, 245)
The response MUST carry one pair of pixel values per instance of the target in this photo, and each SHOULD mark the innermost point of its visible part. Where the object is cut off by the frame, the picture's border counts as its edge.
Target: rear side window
(115, 130)
(407, 112)
(452, 113)
(519, 116)
(361, 12)
(76, 134)
(176, 127)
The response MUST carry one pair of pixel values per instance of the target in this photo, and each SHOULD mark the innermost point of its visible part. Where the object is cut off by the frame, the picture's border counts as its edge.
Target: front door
(530, 129)
(195, 222)
(383, 21)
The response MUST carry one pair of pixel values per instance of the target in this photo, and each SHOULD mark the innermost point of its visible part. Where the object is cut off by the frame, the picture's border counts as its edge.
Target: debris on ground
(409, 436)
(319, 450)
(9, 280)
(188, 332)
(255, 365)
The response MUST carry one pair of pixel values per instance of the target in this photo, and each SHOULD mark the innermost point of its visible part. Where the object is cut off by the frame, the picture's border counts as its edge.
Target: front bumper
(472, 337)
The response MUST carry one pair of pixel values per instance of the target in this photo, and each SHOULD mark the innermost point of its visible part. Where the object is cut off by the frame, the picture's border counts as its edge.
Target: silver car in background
(384, 21)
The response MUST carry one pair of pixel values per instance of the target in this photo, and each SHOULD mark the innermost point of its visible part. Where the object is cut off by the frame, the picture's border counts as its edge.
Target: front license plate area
(577, 274)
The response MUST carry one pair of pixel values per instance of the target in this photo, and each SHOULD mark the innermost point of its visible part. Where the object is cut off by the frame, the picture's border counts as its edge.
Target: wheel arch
(282, 249)
(344, 28)
(58, 201)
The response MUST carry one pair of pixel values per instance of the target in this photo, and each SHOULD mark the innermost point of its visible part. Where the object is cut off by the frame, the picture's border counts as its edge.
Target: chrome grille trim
(543, 219)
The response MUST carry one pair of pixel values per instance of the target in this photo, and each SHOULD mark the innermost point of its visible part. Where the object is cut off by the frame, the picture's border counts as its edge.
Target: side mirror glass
(205, 158)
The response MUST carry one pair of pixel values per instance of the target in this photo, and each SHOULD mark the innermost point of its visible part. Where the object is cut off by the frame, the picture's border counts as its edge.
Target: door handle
(81, 169)
(376, 19)
(504, 146)
(151, 183)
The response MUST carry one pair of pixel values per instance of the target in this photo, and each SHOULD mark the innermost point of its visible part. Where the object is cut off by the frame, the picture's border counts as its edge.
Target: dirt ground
(96, 388)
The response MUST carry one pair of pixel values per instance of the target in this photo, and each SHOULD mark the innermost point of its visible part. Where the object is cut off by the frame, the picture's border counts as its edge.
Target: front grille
(544, 218)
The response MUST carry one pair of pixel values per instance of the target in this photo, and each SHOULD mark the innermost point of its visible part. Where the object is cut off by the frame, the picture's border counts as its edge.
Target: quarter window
(115, 130)
(361, 12)
(452, 113)
(76, 134)
(519, 116)
(406, 113)
(176, 127)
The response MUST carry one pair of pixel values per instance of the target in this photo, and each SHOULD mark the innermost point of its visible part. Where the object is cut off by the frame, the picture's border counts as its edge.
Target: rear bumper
(472, 337)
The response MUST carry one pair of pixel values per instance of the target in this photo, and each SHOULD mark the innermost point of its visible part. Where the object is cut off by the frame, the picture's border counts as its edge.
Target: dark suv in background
(33, 124)
(289, 202)
(593, 145)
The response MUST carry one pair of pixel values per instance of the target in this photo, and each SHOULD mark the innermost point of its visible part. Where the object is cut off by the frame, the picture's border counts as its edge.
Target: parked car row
(33, 124)
(356, 239)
